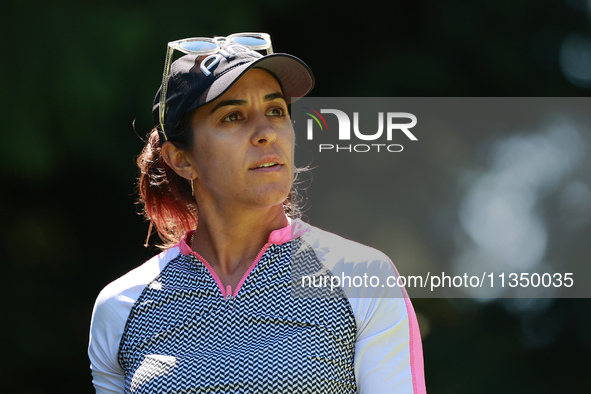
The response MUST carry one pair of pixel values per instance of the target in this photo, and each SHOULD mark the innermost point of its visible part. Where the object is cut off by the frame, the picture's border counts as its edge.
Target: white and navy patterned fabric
(167, 327)
(182, 334)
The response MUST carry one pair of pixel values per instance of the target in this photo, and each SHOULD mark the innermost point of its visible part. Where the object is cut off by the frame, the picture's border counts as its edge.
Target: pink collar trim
(280, 236)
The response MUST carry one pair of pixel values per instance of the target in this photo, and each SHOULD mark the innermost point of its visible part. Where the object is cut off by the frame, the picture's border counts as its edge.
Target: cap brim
(294, 76)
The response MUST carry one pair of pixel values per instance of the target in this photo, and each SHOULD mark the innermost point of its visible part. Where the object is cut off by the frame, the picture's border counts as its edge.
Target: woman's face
(243, 145)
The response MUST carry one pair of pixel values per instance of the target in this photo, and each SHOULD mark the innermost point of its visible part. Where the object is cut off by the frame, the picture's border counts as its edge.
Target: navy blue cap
(195, 81)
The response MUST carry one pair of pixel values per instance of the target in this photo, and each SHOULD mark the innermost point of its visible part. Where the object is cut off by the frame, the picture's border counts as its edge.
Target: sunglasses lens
(198, 46)
(255, 42)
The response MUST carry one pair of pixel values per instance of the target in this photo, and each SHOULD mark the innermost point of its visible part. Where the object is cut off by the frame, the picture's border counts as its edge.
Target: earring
(192, 188)
(147, 243)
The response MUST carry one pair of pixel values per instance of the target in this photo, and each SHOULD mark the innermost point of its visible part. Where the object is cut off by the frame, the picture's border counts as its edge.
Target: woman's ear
(177, 160)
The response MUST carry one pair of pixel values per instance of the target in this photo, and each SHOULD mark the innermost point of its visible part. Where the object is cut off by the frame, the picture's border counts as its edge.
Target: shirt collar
(293, 230)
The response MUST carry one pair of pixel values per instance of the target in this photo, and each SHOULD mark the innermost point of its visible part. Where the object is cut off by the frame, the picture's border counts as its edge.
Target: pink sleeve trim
(416, 350)
(417, 367)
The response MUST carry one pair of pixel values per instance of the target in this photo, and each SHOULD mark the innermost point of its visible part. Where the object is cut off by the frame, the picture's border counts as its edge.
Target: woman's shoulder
(326, 243)
(360, 270)
(119, 295)
(110, 313)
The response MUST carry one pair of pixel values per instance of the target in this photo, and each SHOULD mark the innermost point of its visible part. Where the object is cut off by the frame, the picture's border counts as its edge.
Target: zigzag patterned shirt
(170, 326)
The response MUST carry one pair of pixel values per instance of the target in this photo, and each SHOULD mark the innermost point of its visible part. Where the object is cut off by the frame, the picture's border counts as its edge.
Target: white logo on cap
(228, 52)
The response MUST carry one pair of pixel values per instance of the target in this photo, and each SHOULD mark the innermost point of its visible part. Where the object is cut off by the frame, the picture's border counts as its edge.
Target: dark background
(76, 74)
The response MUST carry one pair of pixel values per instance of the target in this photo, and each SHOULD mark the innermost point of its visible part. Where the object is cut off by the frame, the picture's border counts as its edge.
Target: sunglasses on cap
(207, 46)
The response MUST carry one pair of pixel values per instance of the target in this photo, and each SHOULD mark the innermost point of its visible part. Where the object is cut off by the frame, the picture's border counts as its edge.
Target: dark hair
(166, 198)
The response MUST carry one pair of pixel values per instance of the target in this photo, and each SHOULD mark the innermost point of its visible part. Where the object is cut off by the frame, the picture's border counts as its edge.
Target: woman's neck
(230, 241)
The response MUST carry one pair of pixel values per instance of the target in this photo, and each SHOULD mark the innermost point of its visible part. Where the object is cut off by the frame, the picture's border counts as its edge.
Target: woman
(225, 307)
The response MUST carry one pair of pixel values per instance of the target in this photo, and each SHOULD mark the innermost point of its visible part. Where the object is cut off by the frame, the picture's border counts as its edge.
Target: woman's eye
(233, 117)
(276, 112)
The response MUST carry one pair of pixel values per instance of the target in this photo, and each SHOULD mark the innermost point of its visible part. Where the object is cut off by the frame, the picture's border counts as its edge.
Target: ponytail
(164, 195)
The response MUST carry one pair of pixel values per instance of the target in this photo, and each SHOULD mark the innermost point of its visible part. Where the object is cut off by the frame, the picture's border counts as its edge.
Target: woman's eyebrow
(273, 96)
(268, 97)
(224, 103)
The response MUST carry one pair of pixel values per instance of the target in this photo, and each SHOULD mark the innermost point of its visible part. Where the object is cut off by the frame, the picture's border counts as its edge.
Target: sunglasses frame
(220, 43)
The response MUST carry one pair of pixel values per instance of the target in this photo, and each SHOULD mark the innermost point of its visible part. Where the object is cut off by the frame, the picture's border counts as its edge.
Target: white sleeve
(106, 329)
(109, 317)
(388, 350)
